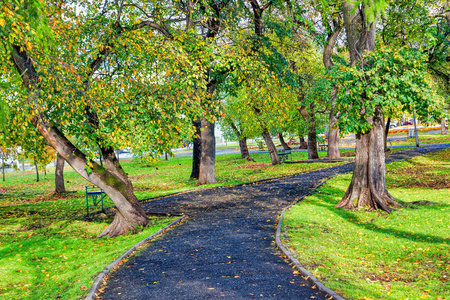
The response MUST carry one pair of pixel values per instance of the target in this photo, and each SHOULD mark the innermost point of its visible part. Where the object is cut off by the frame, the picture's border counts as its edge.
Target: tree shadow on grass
(327, 201)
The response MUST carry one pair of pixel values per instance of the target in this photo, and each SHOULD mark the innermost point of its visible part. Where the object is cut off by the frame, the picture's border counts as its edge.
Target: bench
(284, 155)
(94, 197)
(322, 147)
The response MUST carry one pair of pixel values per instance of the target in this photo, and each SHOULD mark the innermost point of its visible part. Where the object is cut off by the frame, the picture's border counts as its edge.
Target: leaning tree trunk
(196, 150)
(208, 157)
(283, 143)
(59, 174)
(271, 147)
(443, 131)
(368, 185)
(112, 180)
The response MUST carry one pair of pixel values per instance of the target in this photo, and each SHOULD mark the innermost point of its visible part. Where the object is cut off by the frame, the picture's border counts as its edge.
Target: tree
(374, 79)
(60, 88)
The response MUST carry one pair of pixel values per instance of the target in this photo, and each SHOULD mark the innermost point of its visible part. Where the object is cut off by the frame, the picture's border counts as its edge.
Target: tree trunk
(312, 134)
(312, 143)
(443, 130)
(244, 149)
(196, 150)
(283, 143)
(37, 171)
(303, 143)
(333, 138)
(208, 156)
(333, 129)
(112, 180)
(271, 147)
(59, 174)
(242, 142)
(386, 132)
(368, 185)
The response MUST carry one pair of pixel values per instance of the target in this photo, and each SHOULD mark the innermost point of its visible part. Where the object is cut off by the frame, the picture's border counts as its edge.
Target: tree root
(120, 226)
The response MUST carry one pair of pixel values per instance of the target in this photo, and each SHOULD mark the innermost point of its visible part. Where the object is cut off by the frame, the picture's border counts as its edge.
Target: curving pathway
(226, 248)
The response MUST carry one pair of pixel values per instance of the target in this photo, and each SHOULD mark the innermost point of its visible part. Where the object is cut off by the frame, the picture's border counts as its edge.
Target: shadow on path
(226, 248)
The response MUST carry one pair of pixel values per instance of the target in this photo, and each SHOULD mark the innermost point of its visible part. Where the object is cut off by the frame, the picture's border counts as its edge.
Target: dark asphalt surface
(226, 248)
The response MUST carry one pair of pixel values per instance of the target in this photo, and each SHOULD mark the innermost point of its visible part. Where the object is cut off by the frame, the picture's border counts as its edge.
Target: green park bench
(94, 197)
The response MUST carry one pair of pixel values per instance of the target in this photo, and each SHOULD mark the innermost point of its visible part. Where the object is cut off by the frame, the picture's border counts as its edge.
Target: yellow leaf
(2, 22)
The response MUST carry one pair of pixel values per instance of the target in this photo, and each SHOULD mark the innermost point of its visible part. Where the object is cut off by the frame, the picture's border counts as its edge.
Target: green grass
(372, 255)
(48, 247)
(424, 138)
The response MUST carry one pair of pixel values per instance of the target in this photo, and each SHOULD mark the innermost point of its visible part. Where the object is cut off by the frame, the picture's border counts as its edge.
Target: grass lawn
(372, 255)
(47, 244)
(424, 138)
(48, 247)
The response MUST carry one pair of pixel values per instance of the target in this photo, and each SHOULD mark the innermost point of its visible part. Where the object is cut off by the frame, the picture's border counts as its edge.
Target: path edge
(99, 280)
(329, 294)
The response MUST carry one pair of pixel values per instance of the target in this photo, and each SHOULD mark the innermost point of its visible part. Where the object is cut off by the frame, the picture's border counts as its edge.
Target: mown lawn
(424, 138)
(48, 247)
(373, 255)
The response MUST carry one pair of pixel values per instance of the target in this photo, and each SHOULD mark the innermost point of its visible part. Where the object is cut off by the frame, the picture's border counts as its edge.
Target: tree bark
(59, 174)
(271, 147)
(196, 149)
(333, 138)
(333, 130)
(443, 130)
(386, 132)
(208, 156)
(242, 142)
(283, 143)
(303, 143)
(368, 185)
(312, 134)
(112, 180)
(37, 171)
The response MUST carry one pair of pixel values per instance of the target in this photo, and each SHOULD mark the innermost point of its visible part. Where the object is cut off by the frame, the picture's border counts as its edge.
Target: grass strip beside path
(373, 255)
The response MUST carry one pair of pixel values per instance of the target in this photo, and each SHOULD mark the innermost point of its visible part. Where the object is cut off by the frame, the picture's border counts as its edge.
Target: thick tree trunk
(443, 130)
(271, 147)
(333, 138)
(59, 174)
(312, 143)
(208, 157)
(196, 149)
(283, 143)
(113, 180)
(368, 185)
(3, 168)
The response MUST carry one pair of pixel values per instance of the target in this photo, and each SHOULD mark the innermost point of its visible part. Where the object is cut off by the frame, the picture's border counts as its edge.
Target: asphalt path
(226, 248)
